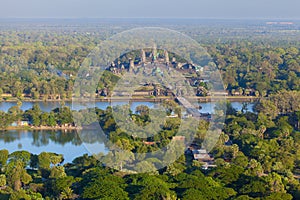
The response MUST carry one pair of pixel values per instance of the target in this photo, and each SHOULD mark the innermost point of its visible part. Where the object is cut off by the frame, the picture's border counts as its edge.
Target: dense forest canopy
(256, 157)
(41, 63)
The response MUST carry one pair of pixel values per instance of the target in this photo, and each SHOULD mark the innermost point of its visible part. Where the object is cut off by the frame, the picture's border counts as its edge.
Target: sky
(218, 9)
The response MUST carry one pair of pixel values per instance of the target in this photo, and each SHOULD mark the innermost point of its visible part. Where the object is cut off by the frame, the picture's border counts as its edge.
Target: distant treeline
(46, 70)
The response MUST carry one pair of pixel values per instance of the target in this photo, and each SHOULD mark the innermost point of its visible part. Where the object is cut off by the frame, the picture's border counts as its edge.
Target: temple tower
(154, 53)
(143, 56)
(167, 59)
(131, 65)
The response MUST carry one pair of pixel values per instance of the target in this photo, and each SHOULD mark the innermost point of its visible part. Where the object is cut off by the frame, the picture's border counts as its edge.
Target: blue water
(48, 106)
(67, 143)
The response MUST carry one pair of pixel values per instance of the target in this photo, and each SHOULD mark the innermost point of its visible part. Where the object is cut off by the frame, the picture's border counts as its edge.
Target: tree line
(46, 70)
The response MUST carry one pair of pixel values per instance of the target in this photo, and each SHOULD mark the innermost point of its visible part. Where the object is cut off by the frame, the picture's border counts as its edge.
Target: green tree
(279, 196)
(2, 180)
(6, 120)
(23, 156)
(154, 188)
(3, 158)
(44, 164)
(57, 172)
(267, 107)
(191, 194)
(100, 184)
(17, 175)
(17, 195)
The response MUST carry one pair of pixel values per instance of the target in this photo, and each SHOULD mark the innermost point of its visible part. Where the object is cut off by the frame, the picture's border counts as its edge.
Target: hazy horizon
(147, 18)
(154, 9)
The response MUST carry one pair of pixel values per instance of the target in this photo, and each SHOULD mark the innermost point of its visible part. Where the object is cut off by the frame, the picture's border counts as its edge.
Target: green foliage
(103, 185)
(7, 119)
(209, 188)
(227, 175)
(62, 186)
(3, 157)
(57, 172)
(279, 196)
(23, 156)
(2, 180)
(99, 189)
(17, 195)
(152, 187)
(262, 162)
(44, 160)
(17, 175)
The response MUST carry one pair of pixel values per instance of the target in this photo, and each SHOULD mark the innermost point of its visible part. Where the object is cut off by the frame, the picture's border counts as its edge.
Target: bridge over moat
(191, 109)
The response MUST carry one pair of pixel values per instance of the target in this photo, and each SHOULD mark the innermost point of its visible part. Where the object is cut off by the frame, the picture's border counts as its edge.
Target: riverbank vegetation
(257, 157)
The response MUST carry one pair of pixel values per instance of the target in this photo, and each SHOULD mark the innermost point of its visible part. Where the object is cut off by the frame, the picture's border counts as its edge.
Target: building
(143, 93)
(179, 138)
(149, 143)
(202, 155)
(21, 123)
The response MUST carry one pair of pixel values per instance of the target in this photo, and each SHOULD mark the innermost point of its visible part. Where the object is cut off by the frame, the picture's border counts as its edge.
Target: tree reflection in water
(42, 138)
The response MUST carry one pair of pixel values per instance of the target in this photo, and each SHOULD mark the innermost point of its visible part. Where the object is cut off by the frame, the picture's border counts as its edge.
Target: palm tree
(67, 194)
(235, 150)
(261, 131)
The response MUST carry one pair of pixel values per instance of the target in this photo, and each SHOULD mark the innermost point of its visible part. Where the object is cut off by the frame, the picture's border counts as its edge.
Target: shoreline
(144, 99)
(46, 128)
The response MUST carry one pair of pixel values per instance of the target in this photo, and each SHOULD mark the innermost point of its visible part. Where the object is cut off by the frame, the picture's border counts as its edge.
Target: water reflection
(67, 143)
(48, 106)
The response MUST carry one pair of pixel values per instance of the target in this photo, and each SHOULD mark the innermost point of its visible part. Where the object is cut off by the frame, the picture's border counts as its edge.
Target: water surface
(67, 143)
(48, 106)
